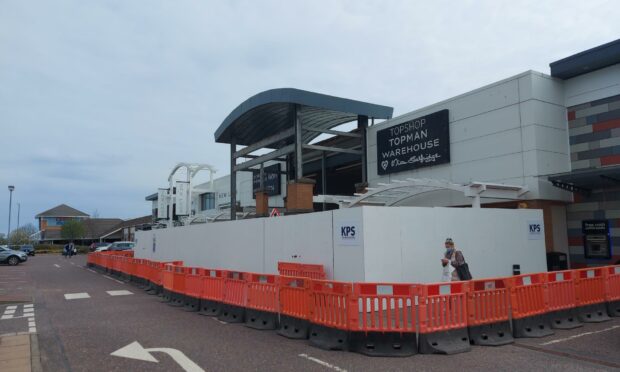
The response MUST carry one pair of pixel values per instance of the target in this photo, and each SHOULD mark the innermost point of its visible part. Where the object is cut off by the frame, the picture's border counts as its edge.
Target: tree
(72, 230)
(3, 240)
(22, 235)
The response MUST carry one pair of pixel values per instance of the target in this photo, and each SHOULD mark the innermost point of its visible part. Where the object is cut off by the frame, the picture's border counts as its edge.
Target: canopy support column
(362, 124)
(233, 179)
(299, 163)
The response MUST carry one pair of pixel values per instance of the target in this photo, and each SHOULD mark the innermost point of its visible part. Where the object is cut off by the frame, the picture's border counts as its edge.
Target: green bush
(58, 248)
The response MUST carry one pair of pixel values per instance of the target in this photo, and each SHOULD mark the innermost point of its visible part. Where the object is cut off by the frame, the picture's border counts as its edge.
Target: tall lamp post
(11, 188)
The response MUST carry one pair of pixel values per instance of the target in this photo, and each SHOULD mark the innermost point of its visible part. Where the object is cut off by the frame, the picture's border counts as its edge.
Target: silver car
(11, 257)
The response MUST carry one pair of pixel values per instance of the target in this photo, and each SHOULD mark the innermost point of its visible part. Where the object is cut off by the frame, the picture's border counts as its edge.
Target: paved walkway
(19, 353)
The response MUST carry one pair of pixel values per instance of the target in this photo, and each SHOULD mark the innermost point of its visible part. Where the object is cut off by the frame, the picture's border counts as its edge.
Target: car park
(11, 257)
(121, 246)
(99, 247)
(28, 249)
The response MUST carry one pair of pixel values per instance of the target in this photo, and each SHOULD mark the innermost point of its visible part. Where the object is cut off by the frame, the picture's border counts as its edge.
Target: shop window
(207, 201)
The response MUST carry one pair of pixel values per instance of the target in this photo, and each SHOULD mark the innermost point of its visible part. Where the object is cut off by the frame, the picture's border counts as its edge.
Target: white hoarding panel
(182, 198)
(162, 203)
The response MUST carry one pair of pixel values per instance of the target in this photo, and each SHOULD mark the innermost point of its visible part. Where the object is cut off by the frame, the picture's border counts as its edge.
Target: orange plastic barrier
(382, 319)
(488, 310)
(590, 294)
(212, 293)
(561, 301)
(296, 269)
(443, 318)
(262, 301)
(294, 307)
(167, 281)
(612, 291)
(528, 297)
(193, 288)
(178, 287)
(233, 308)
(329, 314)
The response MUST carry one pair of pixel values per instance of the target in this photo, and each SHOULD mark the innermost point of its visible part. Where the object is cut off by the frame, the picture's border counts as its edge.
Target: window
(207, 201)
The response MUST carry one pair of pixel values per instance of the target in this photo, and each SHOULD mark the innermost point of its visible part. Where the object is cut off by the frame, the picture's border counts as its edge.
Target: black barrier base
(532, 326)
(293, 327)
(564, 319)
(262, 320)
(191, 304)
(176, 299)
(593, 313)
(613, 308)
(232, 314)
(125, 277)
(210, 307)
(449, 342)
(494, 334)
(328, 338)
(154, 289)
(166, 295)
(381, 344)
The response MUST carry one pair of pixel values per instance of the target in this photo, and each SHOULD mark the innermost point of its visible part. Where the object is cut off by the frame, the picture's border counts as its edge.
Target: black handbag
(463, 272)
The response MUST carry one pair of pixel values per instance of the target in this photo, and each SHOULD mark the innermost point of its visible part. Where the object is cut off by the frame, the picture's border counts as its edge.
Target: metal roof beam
(264, 143)
(334, 132)
(264, 158)
(332, 149)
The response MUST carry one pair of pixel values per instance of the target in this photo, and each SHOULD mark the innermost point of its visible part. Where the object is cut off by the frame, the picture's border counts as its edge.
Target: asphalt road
(81, 334)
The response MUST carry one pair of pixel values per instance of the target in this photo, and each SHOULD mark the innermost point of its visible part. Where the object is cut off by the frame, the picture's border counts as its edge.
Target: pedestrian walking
(454, 267)
(72, 249)
(65, 250)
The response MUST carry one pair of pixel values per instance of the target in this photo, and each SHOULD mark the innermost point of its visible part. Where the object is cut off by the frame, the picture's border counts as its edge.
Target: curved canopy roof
(272, 111)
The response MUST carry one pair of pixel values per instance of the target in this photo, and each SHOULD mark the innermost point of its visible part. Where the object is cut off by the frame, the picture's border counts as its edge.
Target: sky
(100, 99)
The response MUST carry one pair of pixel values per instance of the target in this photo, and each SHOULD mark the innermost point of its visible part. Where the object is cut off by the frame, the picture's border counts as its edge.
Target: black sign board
(271, 180)
(417, 143)
(596, 241)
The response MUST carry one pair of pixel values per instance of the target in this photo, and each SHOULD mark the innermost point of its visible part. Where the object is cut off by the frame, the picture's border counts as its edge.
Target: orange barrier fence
(233, 300)
(329, 314)
(561, 300)
(193, 288)
(212, 293)
(590, 294)
(488, 309)
(443, 318)
(302, 270)
(294, 304)
(383, 319)
(529, 305)
(262, 302)
(612, 291)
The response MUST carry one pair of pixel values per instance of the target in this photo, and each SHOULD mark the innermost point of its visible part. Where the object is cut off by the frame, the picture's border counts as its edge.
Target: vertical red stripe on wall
(577, 197)
(571, 115)
(610, 160)
(606, 125)
(575, 240)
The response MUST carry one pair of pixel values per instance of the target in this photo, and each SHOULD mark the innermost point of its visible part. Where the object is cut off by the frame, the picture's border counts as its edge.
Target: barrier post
(262, 301)
(612, 292)
(233, 301)
(212, 293)
(443, 318)
(488, 312)
(177, 297)
(529, 306)
(329, 314)
(383, 319)
(561, 300)
(167, 281)
(294, 307)
(590, 294)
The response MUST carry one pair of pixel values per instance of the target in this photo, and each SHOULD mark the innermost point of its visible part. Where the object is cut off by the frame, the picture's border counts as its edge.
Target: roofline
(587, 61)
(306, 98)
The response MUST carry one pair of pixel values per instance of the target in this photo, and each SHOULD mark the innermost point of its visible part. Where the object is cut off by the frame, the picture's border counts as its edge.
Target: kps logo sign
(347, 231)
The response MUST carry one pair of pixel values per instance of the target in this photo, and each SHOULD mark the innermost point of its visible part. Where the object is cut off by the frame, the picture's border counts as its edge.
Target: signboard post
(417, 143)
(182, 198)
(271, 181)
(596, 240)
(162, 203)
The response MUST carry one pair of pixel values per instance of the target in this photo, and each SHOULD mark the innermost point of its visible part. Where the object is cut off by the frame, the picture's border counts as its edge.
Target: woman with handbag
(454, 266)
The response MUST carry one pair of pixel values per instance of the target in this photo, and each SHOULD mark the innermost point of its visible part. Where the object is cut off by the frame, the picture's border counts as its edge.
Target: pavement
(86, 321)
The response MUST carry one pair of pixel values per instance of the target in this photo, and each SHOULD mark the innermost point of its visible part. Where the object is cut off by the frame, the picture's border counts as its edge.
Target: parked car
(28, 249)
(95, 246)
(11, 257)
(121, 246)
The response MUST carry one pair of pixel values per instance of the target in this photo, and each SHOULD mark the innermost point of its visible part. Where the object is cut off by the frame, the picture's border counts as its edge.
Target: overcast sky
(99, 99)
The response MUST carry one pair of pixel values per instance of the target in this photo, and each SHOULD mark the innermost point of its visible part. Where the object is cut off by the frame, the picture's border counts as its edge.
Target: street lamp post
(19, 207)
(11, 188)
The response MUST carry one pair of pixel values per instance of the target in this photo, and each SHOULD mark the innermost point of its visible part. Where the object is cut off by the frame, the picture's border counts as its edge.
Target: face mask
(449, 252)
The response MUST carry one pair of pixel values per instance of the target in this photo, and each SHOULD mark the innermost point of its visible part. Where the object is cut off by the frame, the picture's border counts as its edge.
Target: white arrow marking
(135, 351)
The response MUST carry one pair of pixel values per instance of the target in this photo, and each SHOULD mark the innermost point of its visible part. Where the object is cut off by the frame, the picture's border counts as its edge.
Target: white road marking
(136, 351)
(219, 321)
(4, 317)
(119, 293)
(72, 263)
(12, 307)
(322, 362)
(76, 296)
(118, 281)
(579, 335)
(92, 271)
(12, 311)
(32, 329)
(58, 266)
(28, 310)
(28, 305)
